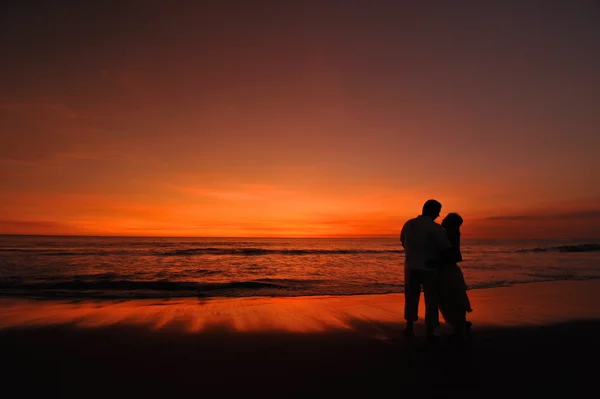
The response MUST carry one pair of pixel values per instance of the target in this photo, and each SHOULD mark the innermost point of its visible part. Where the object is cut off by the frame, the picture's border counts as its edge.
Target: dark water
(118, 267)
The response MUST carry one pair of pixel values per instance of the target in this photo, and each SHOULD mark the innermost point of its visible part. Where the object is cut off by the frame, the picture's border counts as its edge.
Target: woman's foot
(468, 329)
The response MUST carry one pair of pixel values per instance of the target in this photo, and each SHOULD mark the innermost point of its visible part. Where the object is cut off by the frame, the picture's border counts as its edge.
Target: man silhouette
(424, 243)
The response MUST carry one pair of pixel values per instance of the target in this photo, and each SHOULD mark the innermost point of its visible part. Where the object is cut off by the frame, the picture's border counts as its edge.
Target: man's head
(432, 208)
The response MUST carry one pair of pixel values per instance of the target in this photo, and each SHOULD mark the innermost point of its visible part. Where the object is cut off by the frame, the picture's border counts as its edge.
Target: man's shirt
(423, 240)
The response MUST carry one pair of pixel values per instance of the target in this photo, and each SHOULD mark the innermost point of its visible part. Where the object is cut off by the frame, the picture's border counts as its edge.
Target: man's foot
(409, 330)
(429, 335)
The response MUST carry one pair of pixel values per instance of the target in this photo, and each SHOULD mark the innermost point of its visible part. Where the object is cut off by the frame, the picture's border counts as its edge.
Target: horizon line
(375, 236)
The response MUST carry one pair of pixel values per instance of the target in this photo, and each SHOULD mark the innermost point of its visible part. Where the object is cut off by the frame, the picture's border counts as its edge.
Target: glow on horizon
(262, 211)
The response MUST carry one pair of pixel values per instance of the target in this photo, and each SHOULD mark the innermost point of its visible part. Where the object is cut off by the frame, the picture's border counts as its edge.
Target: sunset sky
(299, 118)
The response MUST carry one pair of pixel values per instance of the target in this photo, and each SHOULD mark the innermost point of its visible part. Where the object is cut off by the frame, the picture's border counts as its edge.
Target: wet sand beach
(541, 336)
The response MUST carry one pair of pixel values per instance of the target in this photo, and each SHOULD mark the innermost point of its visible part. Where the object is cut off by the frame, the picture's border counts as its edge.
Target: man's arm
(440, 238)
(448, 253)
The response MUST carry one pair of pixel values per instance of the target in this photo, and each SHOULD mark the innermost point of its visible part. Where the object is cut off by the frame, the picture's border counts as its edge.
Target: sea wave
(167, 289)
(107, 288)
(196, 251)
(533, 279)
(563, 248)
(68, 252)
(263, 251)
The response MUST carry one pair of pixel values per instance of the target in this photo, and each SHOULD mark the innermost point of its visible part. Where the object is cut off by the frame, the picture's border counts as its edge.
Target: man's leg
(431, 292)
(412, 294)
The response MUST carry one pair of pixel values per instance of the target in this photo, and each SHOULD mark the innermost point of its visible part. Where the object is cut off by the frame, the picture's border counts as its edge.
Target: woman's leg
(456, 298)
(465, 295)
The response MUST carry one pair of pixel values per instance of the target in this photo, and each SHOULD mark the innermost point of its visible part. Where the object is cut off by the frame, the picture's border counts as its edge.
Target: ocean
(51, 267)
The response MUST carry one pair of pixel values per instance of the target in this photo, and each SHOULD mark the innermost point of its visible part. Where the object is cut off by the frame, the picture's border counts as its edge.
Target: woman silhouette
(454, 301)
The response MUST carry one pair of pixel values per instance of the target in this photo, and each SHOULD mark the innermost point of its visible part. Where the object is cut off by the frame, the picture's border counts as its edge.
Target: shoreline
(537, 303)
(68, 297)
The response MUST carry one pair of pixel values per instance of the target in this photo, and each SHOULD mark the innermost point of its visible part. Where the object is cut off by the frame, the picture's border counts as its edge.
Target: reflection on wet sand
(300, 314)
(537, 303)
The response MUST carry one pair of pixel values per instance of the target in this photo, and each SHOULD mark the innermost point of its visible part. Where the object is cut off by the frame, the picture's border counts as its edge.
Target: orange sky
(318, 119)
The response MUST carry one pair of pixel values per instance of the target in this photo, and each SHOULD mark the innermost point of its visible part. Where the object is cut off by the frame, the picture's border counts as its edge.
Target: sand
(540, 336)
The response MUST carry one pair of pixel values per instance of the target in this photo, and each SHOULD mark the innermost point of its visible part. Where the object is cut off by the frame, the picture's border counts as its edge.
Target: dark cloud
(586, 214)
(35, 227)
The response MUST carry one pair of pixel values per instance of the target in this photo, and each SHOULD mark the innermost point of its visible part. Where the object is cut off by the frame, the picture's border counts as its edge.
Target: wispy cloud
(34, 224)
(243, 192)
(36, 227)
(223, 194)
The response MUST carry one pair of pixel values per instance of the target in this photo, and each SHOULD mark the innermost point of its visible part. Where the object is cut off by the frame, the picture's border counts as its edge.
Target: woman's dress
(454, 301)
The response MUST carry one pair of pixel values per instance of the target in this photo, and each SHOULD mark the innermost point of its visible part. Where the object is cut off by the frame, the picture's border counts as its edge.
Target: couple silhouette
(432, 252)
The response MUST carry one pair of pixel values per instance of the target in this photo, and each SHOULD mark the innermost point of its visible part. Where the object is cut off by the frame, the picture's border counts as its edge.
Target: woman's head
(452, 220)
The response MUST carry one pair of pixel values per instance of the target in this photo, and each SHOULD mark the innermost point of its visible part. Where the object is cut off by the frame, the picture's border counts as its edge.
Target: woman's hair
(452, 220)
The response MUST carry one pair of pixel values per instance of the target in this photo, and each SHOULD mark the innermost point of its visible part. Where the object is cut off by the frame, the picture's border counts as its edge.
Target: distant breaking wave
(165, 289)
(564, 248)
(263, 251)
(534, 279)
(259, 251)
(164, 285)
(140, 289)
(249, 251)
